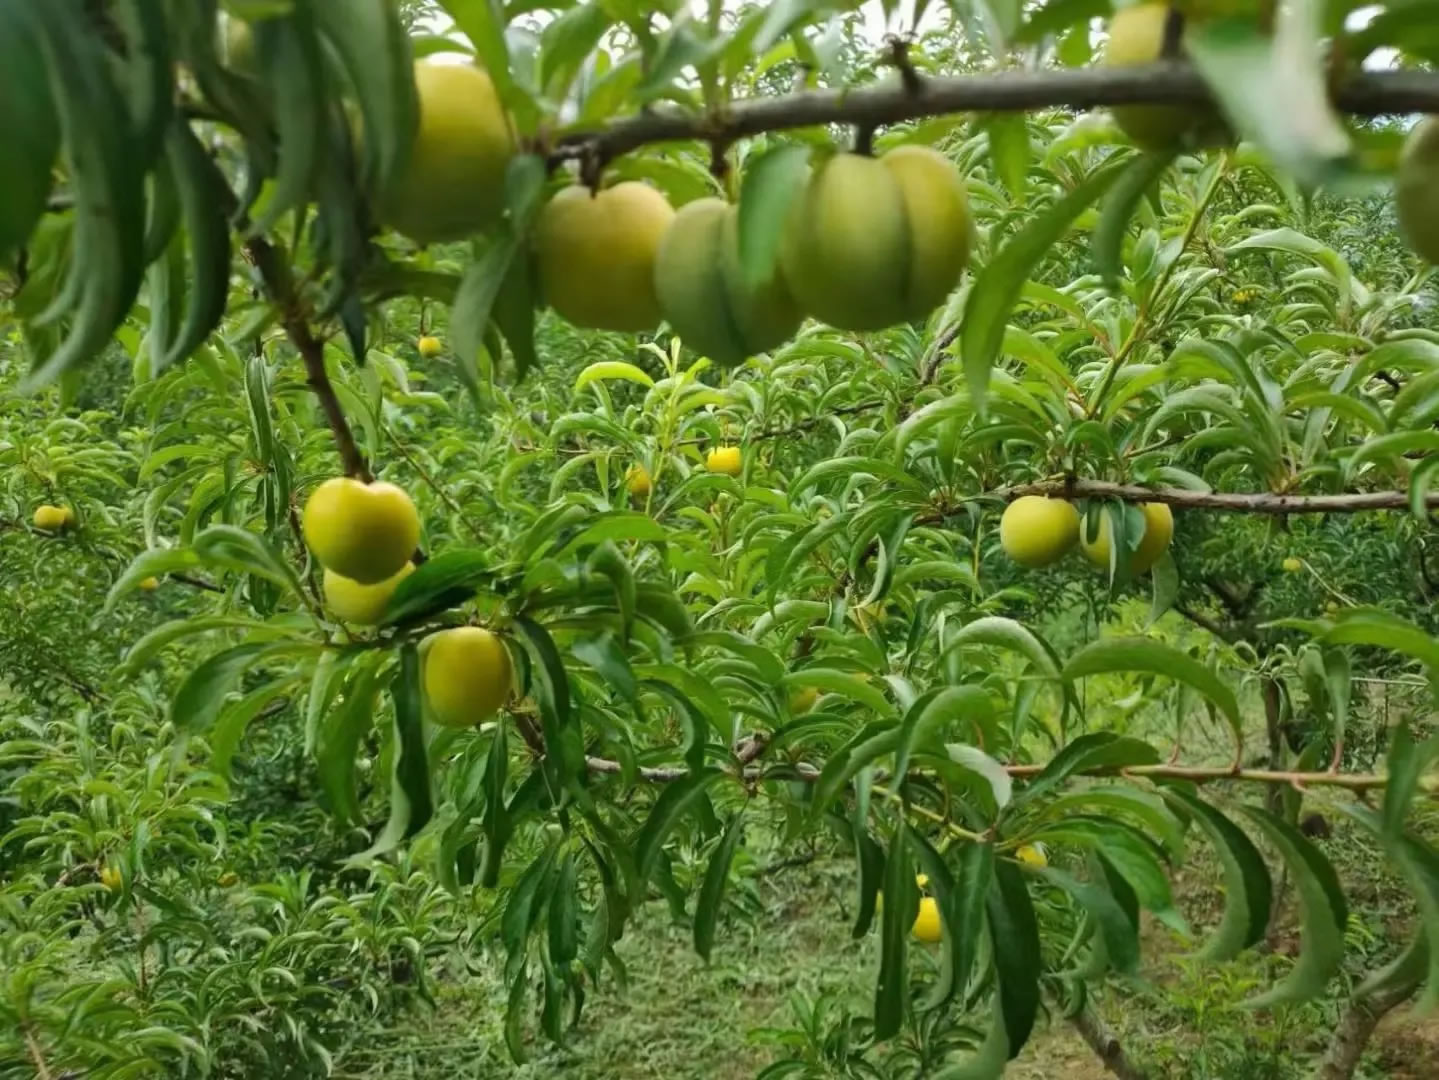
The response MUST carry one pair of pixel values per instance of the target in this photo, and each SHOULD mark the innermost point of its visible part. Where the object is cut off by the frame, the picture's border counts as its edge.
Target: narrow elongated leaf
(1121, 936)
(770, 185)
(411, 801)
(564, 921)
(1156, 658)
(1094, 751)
(711, 897)
(1323, 913)
(612, 369)
(1140, 174)
(932, 715)
(445, 581)
(901, 904)
(1407, 762)
(998, 285)
(839, 682)
(674, 801)
(1014, 932)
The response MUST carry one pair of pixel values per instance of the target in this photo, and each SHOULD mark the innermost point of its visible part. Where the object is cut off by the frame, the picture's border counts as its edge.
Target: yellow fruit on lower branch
(1036, 531)
(725, 460)
(703, 293)
(1158, 531)
(111, 878)
(361, 604)
(927, 924)
(1292, 565)
(467, 675)
(149, 584)
(595, 255)
(454, 184)
(365, 532)
(53, 518)
(638, 482)
(1416, 192)
(429, 347)
(872, 242)
(804, 699)
(1137, 36)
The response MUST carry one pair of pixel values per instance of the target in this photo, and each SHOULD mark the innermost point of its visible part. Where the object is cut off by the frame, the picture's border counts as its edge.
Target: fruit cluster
(366, 536)
(1036, 531)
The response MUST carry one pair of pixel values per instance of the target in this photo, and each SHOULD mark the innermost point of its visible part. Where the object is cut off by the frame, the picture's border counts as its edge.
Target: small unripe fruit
(1036, 531)
(111, 878)
(638, 482)
(1416, 191)
(725, 460)
(1292, 565)
(927, 924)
(1032, 854)
(228, 878)
(1137, 36)
(1158, 531)
(53, 518)
(703, 293)
(872, 242)
(363, 605)
(429, 347)
(365, 532)
(467, 675)
(595, 255)
(804, 699)
(454, 183)
(150, 584)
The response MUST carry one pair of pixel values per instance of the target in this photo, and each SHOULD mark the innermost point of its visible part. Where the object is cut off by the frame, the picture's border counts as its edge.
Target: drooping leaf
(711, 896)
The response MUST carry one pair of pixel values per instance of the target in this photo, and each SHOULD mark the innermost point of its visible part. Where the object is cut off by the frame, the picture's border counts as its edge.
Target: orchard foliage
(739, 556)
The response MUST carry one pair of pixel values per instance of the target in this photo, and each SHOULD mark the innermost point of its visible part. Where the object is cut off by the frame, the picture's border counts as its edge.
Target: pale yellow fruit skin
(726, 460)
(467, 675)
(927, 924)
(804, 699)
(873, 242)
(595, 255)
(702, 290)
(365, 532)
(150, 584)
(363, 605)
(1032, 855)
(1036, 531)
(53, 518)
(941, 229)
(1292, 565)
(1158, 531)
(1416, 191)
(1136, 36)
(429, 347)
(111, 878)
(454, 183)
(638, 482)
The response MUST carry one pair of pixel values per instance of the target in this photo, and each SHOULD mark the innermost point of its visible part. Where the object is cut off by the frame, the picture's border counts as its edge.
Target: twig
(32, 1047)
(1172, 83)
(196, 583)
(1239, 502)
(1109, 1050)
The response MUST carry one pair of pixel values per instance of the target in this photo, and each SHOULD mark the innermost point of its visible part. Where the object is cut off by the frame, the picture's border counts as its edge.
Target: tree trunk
(1106, 1046)
(1355, 1027)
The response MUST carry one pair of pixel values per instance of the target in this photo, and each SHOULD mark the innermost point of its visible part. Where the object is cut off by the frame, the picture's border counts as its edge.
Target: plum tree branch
(1169, 83)
(1238, 502)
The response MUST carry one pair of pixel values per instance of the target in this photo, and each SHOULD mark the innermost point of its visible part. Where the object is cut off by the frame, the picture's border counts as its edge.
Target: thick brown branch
(1238, 502)
(1366, 93)
(1108, 1048)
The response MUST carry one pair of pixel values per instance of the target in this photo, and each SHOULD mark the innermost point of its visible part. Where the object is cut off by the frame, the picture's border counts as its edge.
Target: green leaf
(992, 772)
(933, 714)
(1323, 913)
(612, 369)
(674, 801)
(1009, 148)
(770, 185)
(998, 285)
(961, 903)
(1247, 887)
(838, 682)
(475, 301)
(1141, 173)
(1121, 937)
(866, 746)
(411, 802)
(1014, 933)
(901, 905)
(998, 631)
(716, 877)
(243, 552)
(202, 695)
(564, 750)
(1165, 580)
(1406, 763)
(340, 732)
(483, 22)
(1153, 657)
(1094, 751)
(438, 584)
(29, 129)
(564, 923)
(522, 911)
